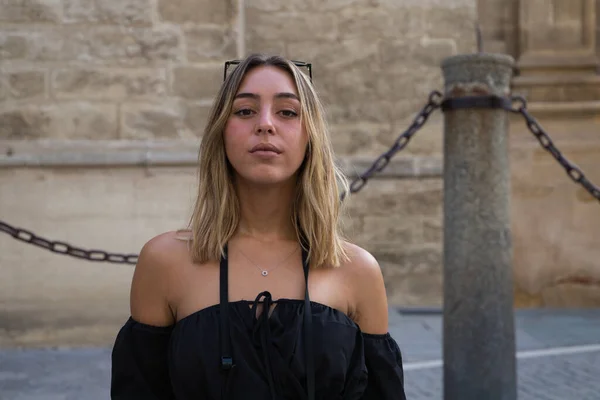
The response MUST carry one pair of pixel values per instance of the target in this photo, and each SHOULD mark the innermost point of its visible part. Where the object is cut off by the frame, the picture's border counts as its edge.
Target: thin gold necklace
(265, 272)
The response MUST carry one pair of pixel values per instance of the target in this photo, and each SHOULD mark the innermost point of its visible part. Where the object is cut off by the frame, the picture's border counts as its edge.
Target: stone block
(12, 47)
(410, 259)
(30, 10)
(433, 230)
(255, 44)
(413, 274)
(195, 11)
(422, 290)
(103, 45)
(134, 46)
(408, 21)
(287, 27)
(109, 83)
(27, 84)
(334, 55)
(378, 231)
(371, 23)
(272, 6)
(73, 120)
(572, 295)
(356, 139)
(346, 68)
(197, 83)
(207, 43)
(124, 12)
(399, 198)
(153, 121)
(320, 6)
(3, 88)
(196, 117)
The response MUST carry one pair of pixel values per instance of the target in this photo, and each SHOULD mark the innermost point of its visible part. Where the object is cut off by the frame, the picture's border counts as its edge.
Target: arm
(383, 358)
(140, 353)
(370, 299)
(150, 283)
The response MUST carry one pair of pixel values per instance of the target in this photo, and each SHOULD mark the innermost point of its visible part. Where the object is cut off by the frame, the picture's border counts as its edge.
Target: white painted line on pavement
(553, 351)
(412, 366)
(557, 351)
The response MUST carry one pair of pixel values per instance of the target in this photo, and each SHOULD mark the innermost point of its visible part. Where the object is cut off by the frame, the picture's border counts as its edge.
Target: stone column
(557, 51)
(479, 337)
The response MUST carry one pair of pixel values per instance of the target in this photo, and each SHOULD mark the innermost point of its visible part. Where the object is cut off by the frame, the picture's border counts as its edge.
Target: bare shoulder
(149, 297)
(368, 290)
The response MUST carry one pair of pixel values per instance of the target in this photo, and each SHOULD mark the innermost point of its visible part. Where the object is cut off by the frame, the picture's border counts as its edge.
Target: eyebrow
(282, 95)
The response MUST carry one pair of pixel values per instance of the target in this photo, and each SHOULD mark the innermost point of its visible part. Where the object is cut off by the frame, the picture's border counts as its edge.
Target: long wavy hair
(316, 208)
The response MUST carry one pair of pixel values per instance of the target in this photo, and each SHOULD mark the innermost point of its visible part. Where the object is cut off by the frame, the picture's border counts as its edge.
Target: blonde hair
(316, 209)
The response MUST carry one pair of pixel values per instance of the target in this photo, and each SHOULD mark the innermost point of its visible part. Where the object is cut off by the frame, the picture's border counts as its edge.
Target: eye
(244, 112)
(289, 113)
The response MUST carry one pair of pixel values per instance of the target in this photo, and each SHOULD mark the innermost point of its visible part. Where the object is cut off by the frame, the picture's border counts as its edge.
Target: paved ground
(558, 358)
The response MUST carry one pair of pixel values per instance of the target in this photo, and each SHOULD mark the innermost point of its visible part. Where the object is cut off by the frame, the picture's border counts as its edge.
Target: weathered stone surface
(27, 84)
(197, 83)
(12, 47)
(419, 290)
(413, 275)
(371, 23)
(425, 51)
(73, 120)
(378, 232)
(341, 4)
(196, 117)
(109, 83)
(282, 26)
(398, 199)
(196, 11)
(572, 295)
(30, 10)
(255, 44)
(115, 45)
(153, 121)
(3, 88)
(139, 45)
(124, 12)
(271, 6)
(355, 139)
(433, 230)
(207, 43)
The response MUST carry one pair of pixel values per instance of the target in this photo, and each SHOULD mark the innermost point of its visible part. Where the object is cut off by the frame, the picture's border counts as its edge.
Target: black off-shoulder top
(302, 350)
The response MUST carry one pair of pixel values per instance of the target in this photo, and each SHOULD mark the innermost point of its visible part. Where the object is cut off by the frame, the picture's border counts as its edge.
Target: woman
(264, 227)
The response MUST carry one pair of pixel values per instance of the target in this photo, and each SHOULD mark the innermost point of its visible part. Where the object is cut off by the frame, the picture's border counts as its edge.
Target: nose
(265, 122)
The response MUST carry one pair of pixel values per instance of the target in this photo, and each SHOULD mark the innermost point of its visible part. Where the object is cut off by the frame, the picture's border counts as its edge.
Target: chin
(267, 178)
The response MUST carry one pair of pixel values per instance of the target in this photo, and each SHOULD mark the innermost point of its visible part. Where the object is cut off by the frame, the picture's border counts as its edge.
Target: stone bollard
(479, 334)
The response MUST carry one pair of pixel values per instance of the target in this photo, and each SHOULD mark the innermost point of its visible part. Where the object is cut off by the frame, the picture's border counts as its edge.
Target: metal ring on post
(489, 101)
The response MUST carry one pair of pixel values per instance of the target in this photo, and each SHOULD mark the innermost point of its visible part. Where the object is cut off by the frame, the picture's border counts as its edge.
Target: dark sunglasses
(299, 64)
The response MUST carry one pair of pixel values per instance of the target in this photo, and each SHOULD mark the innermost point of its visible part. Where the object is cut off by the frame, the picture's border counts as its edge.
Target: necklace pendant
(265, 273)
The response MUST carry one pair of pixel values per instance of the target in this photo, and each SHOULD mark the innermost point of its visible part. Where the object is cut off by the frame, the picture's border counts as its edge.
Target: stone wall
(102, 105)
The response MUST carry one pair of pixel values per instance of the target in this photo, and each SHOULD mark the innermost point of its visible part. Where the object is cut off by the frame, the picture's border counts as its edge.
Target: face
(265, 140)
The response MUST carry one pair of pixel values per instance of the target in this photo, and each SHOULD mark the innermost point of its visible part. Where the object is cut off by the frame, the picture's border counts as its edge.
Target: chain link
(433, 103)
(572, 170)
(65, 248)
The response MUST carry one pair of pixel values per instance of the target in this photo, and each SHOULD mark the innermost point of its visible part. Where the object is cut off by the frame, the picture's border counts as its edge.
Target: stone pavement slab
(544, 372)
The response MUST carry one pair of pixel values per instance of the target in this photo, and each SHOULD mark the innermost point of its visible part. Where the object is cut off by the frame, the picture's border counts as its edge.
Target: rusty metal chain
(433, 103)
(102, 256)
(67, 249)
(574, 172)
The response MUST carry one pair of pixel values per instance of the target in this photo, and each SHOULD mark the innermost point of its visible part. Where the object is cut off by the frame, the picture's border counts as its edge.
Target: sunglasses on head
(299, 64)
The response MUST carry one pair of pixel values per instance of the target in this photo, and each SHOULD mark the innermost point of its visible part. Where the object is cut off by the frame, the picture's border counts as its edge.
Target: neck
(266, 211)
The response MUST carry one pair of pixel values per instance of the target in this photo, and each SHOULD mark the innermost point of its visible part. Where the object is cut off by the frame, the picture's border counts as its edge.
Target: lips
(265, 147)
